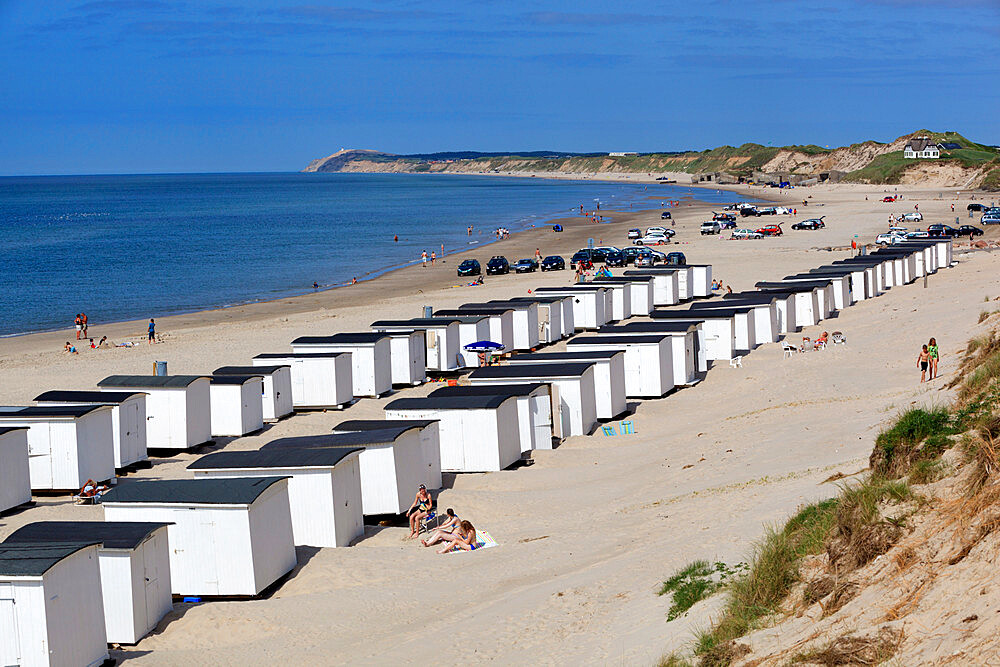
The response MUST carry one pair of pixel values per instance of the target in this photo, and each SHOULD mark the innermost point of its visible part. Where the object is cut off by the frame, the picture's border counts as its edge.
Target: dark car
(598, 254)
(497, 265)
(675, 259)
(470, 267)
(976, 206)
(665, 215)
(965, 230)
(937, 231)
(581, 256)
(747, 212)
(631, 253)
(724, 217)
(526, 265)
(614, 258)
(553, 263)
(815, 223)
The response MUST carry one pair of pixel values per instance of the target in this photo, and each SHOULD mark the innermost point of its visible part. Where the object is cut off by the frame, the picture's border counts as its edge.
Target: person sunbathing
(447, 528)
(419, 510)
(464, 538)
(821, 341)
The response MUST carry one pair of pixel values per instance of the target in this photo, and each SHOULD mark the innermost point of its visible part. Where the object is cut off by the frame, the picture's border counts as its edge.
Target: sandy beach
(588, 532)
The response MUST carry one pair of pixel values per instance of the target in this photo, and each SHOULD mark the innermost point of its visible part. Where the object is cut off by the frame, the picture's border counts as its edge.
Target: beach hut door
(40, 456)
(151, 574)
(557, 412)
(543, 325)
(433, 350)
(10, 652)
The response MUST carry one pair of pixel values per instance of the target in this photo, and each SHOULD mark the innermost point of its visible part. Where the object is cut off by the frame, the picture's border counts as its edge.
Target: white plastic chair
(736, 362)
(788, 349)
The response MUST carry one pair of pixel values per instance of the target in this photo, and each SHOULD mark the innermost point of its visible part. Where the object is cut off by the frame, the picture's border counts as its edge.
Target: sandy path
(589, 531)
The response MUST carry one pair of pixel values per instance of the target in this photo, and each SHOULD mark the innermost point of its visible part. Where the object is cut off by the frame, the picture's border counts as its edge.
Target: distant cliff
(969, 165)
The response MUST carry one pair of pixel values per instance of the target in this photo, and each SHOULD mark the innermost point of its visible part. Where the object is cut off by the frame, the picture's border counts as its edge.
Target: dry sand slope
(589, 531)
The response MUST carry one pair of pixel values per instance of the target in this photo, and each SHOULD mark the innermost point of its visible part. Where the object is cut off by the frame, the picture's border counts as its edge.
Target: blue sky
(99, 86)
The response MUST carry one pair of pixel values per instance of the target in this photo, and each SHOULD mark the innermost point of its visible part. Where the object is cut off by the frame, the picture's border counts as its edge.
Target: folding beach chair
(736, 362)
(838, 338)
(788, 349)
(425, 523)
(609, 430)
(627, 428)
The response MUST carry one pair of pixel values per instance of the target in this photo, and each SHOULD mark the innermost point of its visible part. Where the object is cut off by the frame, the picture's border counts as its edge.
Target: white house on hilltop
(921, 147)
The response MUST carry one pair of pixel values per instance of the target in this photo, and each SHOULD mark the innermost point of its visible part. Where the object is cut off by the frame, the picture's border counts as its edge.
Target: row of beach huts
(232, 529)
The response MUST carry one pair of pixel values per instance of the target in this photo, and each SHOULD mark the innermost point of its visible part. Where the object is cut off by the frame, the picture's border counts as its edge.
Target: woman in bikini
(464, 538)
(922, 361)
(932, 351)
(445, 530)
(419, 510)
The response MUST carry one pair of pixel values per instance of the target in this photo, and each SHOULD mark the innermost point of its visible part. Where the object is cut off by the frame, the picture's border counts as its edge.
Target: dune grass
(917, 434)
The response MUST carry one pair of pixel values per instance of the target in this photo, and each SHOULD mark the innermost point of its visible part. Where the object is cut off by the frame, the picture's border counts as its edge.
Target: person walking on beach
(423, 258)
(922, 363)
(433, 257)
(79, 326)
(152, 331)
(933, 356)
(538, 255)
(83, 321)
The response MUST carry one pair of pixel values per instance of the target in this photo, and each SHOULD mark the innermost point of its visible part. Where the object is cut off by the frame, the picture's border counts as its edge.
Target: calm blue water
(126, 247)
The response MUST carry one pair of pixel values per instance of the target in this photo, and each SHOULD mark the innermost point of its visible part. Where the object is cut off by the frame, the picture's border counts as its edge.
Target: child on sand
(922, 360)
(934, 355)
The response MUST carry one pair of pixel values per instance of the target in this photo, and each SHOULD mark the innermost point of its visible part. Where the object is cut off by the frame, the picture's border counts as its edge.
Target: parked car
(990, 218)
(966, 230)
(675, 259)
(710, 227)
(665, 215)
(976, 206)
(888, 200)
(889, 238)
(917, 234)
(916, 216)
(470, 267)
(598, 254)
(526, 265)
(938, 230)
(645, 260)
(724, 217)
(634, 234)
(653, 239)
(497, 265)
(812, 223)
(581, 256)
(666, 231)
(614, 258)
(746, 234)
(553, 263)
(770, 210)
(770, 230)
(749, 211)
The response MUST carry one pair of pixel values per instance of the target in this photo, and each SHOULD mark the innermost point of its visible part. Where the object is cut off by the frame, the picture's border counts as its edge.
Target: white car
(918, 234)
(656, 230)
(889, 239)
(653, 239)
(746, 234)
(916, 216)
(634, 234)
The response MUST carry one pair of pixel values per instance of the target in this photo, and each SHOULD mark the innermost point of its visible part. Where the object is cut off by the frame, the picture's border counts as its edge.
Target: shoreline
(366, 278)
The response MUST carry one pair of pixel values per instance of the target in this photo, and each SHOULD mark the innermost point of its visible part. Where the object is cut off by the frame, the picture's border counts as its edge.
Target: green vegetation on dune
(885, 168)
(992, 181)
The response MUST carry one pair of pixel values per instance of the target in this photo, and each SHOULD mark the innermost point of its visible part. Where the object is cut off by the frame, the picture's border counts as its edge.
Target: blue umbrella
(484, 346)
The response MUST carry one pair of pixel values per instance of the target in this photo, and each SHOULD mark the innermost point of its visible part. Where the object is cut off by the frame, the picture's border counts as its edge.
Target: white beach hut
(649, 366)
(471, 329)
(441, 340)
(430, 441)
(15, 480)
(822, 288)
(134, 563)
(641, 291)
(178, 407)
(227, 536)
(855, 277)
(128, 418)
(408, 355)
(319, 381)
(525, 320)
(501, 323)
(371, 364)
(699, 280)
(840, 285)
(67, 444)
(276, 399)
(476, 433)
(687, 347)
(324, 487)
(574, 396)
(237, 407)
(718, 330)
(665, 283)
(49, 600)
(609, 375)
(534, 408)
(590, 304)
(767, 318)
(391, 462)
(551, 327)
(743, 323)
(806, 302)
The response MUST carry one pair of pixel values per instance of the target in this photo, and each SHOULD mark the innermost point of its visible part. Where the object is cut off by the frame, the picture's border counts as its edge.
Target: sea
(140, 246)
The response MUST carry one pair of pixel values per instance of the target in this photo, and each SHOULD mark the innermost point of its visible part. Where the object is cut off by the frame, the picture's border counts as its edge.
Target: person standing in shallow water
(933, 356)
(923, 360)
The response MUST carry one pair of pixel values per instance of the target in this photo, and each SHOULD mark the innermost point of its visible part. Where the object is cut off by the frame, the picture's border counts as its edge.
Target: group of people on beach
(451, 532)
(81, 325)
(927, 360)
(717, 287)
(502, 233)
(69, 347)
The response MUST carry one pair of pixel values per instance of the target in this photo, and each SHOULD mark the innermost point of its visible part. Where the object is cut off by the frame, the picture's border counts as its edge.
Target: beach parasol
(484, 346)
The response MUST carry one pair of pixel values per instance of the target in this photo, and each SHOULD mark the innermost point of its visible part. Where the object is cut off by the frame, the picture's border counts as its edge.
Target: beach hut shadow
(303, 555)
